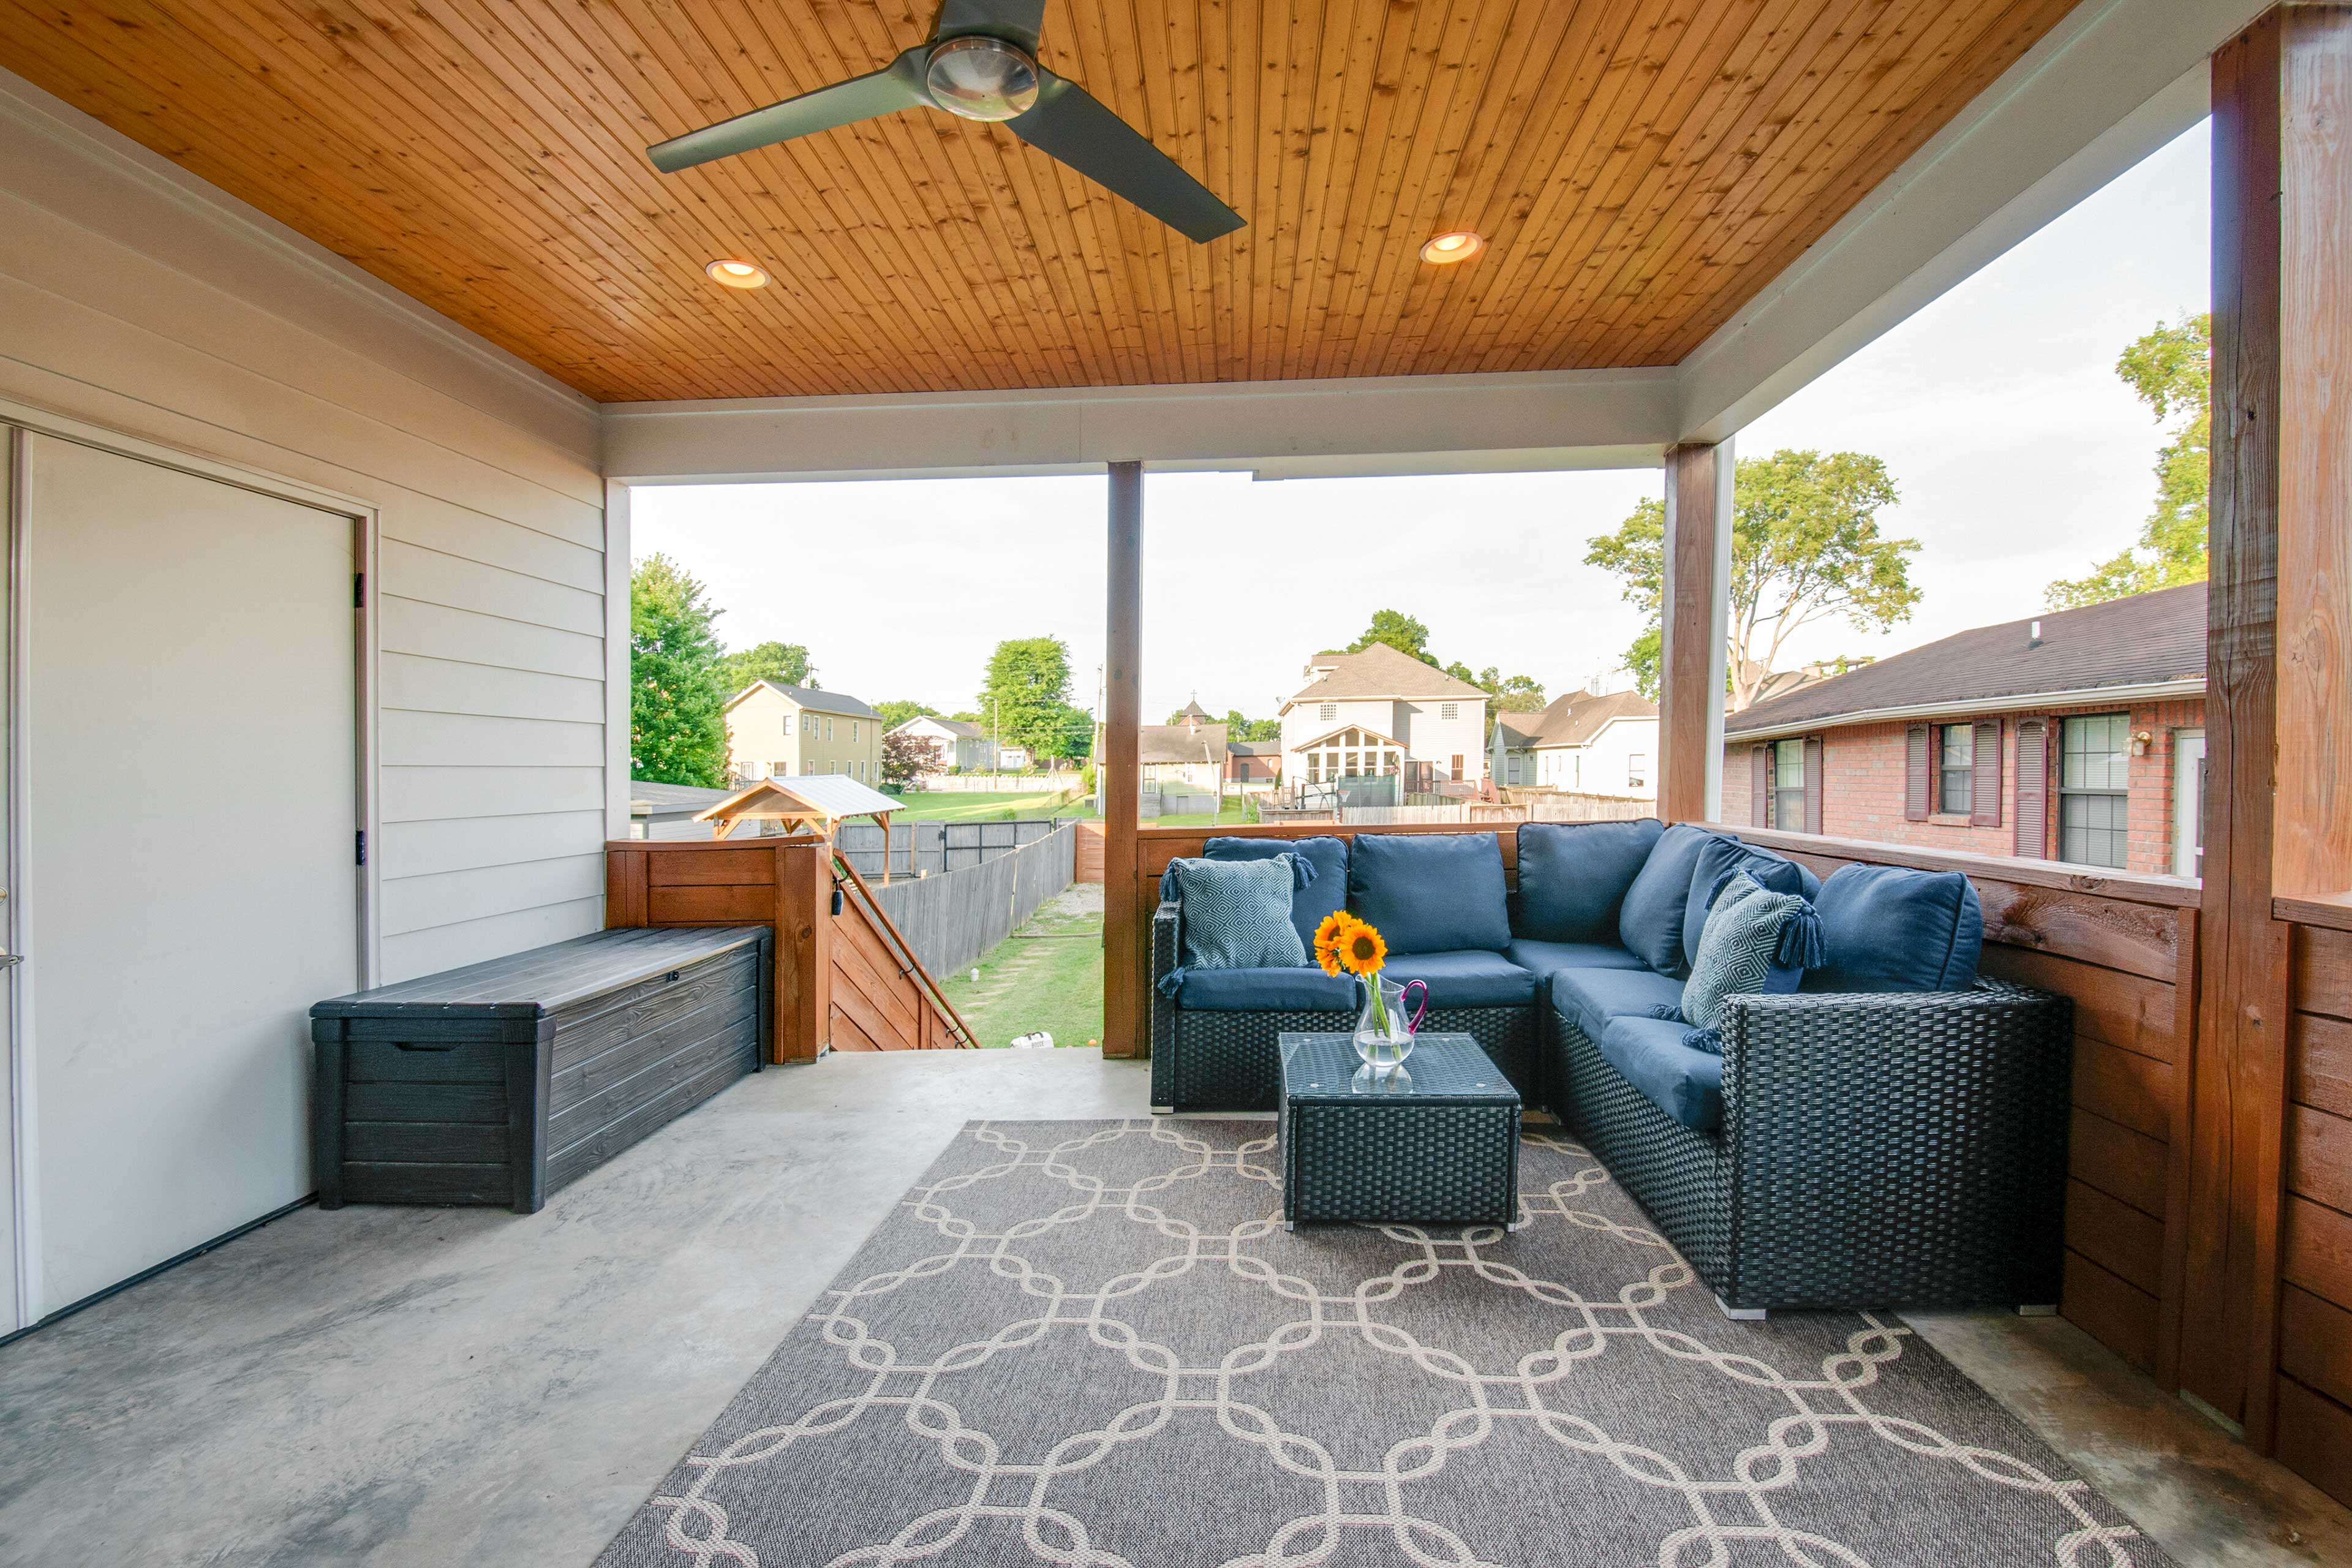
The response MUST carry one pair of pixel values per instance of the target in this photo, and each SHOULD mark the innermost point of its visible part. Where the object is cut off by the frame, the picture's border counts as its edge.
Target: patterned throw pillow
(1237, 913)
(1757, 942)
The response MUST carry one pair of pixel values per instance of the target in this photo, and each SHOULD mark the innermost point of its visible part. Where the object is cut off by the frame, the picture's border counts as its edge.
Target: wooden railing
(845, 978)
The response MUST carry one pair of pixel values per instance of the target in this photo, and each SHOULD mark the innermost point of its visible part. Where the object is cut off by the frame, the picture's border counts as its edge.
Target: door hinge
(358, 590)
(362, 846)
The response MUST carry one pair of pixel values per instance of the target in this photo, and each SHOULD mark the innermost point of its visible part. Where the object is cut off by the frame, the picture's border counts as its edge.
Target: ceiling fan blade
(1020, 21)
(898, 85)
(1069, 123)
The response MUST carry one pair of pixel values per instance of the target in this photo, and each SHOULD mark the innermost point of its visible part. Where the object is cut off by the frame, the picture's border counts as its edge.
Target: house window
(1789, 786)
(788, 723)
(1449, 711)
(828, 729)
(1457, 766)
(1328, 710)
(2094, 786)
(1956, 774)
(1637, 770)
(852, 728)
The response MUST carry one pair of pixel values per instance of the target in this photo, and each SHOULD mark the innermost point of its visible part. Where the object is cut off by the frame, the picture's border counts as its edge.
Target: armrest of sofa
(1901, 1118)
(1167, 932)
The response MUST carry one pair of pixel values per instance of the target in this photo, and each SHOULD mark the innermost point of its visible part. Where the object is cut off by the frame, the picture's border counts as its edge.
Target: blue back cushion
(1651, 921)
(1775, 873)
(1431, 892)
(1885, 927)
(1573, 876)
(1308, 904)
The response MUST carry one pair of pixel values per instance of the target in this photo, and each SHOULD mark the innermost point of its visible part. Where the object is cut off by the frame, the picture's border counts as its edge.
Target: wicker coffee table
(1436, 1143)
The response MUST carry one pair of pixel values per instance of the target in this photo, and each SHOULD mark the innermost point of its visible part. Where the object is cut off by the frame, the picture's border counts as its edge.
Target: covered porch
(1689, 223)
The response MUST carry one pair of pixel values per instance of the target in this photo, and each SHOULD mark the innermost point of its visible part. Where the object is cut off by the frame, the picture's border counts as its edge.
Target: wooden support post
(804, 950)
(1124, 1013)
(1694, 616)
(2277, 745)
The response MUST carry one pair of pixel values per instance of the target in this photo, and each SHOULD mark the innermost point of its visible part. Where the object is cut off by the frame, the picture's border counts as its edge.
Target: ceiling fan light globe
(981, 78)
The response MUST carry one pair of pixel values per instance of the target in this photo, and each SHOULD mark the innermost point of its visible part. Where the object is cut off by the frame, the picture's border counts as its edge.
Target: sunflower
(1361, 951)
(1327, 937)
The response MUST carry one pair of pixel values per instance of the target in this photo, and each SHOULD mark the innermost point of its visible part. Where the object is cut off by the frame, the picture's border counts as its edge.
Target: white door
(2189, 803)
(16, 1306)
(190, 885)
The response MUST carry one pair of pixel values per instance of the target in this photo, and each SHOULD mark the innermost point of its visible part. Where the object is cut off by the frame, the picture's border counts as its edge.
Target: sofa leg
(1163, 1111)
(1739, 1314)
(2038, 1311)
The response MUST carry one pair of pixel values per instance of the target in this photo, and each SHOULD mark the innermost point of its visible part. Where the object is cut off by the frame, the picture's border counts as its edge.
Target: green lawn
(1235, 812)
(952, 806)
(1047, 975)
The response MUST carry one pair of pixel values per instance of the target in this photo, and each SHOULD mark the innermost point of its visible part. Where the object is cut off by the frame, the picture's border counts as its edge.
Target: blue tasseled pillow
(1757, 942)
(1236, 914)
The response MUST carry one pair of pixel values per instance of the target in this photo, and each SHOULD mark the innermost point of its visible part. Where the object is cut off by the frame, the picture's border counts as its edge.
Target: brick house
(2076, 736)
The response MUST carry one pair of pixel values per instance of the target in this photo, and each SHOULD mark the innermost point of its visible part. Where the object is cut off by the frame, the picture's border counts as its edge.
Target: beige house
(779, 732)
(1372, 712)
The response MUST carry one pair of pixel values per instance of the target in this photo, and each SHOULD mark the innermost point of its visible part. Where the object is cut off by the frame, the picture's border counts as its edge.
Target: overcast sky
(2020, 456)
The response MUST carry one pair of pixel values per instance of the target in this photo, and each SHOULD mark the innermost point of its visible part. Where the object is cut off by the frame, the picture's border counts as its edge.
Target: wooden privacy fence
(928, 848)
(845, 977)
(951, 920)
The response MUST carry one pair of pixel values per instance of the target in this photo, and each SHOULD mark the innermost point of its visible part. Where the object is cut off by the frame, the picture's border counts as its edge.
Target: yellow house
(778, 732)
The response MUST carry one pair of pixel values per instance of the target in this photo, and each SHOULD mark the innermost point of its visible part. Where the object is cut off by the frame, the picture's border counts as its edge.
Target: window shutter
(1914, 774)
(1984, 790)
(1812, 784)
(1759, 787)
(2034, 788)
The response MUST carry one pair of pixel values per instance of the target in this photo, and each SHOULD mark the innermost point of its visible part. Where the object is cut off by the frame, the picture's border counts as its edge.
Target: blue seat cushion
(1775, 873)
(1573, 876)
(1544, 959)
(1328, 890)
(1650, 923)
(1888, 927)
(1431, 892)
(1685, 1084)
(1472, 977)
(1308, 989)
(1590, 997)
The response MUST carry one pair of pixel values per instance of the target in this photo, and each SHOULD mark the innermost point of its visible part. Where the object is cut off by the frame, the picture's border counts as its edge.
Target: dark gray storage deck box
(499, 1082)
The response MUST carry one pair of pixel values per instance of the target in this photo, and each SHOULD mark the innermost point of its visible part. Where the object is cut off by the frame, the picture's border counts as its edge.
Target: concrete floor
(438, 1387)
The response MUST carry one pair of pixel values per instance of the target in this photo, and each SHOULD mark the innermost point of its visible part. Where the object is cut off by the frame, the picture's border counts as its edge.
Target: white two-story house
(1379, 712)
(953, 743)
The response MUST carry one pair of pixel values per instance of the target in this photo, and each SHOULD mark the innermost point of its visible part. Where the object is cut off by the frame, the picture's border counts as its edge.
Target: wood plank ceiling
(1642, 167)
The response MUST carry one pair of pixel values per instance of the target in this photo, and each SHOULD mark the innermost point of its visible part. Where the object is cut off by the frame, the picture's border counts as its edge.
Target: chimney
(2033, 638)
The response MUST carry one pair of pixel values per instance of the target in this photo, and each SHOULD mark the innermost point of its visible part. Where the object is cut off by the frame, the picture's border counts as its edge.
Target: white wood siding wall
(135, 299)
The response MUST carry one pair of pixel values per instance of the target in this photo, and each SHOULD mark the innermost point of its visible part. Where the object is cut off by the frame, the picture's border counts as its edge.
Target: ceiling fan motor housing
(981, 77)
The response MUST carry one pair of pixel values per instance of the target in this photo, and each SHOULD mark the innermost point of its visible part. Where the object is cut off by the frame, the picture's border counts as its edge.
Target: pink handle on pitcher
(1419, 1013)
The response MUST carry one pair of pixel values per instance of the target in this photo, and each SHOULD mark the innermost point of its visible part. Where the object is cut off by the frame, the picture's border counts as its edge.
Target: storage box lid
(546, 980)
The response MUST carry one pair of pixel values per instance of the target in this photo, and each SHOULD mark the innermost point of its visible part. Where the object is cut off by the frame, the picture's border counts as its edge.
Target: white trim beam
(2114, 82)
(2023, 702)
(1281, 429)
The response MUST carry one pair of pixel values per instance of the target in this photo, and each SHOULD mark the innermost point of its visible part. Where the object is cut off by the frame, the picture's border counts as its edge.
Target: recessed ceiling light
(737, 274)
(1461, 245)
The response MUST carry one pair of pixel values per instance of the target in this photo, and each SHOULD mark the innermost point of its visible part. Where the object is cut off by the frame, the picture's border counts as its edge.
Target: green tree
(787, 663)
(2172, 370)
(903, 757)
(677, 696)
(1510, 693)
(1026, 697)
(897, 711)
(1805, 546)
(1399, 631)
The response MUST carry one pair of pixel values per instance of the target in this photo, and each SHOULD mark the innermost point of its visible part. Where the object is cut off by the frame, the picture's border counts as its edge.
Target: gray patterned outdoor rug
(1093, 1343)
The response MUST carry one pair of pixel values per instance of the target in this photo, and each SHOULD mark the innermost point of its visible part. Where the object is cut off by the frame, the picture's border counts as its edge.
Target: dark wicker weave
(1905, 1149)
(1439, 1145)
(1232, 1061)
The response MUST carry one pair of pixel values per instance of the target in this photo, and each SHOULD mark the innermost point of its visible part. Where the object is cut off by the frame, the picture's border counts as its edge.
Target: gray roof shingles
(2141, 640)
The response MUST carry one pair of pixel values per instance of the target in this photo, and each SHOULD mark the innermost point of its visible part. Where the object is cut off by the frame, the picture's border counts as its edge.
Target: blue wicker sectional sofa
(1891, 1132)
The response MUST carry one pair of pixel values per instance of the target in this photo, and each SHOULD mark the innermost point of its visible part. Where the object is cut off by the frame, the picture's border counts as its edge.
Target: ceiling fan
(980, 63)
